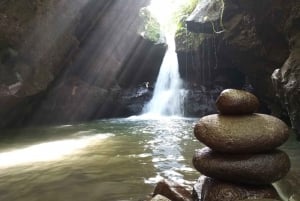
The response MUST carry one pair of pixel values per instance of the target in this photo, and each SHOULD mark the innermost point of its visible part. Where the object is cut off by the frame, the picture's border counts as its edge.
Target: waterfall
(168, 95)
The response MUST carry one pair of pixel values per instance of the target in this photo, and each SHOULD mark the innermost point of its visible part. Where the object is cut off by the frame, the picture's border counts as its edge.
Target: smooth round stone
(241, 134)
(255, 169)
(233, 101)
(210, 189)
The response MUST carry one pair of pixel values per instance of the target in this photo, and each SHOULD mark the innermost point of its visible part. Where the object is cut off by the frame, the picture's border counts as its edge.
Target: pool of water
(107, 160)
(118, 159)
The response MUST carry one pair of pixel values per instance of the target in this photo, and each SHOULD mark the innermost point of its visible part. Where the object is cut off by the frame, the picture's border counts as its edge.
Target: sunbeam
(48, 151)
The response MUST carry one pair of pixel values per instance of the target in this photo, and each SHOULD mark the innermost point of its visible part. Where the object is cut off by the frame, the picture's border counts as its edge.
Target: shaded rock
(172, 191)
(133, 99)
(200, 101)
(258, 200)
(209, 189)
(286, 82)
(74, 101)
(241, 134)
(255, 43)
(295, 197)
(159, 198)
(232, 101)
(258, 169)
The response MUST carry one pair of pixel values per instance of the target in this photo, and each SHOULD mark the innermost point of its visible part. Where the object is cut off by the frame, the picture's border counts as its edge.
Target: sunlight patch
(48, 151)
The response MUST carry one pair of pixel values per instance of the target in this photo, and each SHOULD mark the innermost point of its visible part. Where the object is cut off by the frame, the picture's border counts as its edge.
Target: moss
(188, 41)
(151, 28)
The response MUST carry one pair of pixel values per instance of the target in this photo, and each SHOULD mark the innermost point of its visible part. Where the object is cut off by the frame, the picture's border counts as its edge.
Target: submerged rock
(209, 189)
(159, 198)
(241, 134)
(232, 101)
(172, 191)
(258, 169)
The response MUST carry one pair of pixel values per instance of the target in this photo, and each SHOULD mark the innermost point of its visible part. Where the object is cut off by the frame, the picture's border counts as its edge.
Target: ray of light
(48, 151)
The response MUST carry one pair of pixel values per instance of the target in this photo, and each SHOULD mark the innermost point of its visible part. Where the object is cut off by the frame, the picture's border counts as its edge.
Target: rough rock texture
(172, 191)
(208, 14)
(209, 189)
(286, 82)
(159, 198)
(45, 44)
(258, 38)
(133, 100)
(31, 51)
(256, 169)
(241, 134)
(232, 101)
(259, 200)
(201, 101)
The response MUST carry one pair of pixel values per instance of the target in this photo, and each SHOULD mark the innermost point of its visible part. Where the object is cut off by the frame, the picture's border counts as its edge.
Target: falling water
(168, 94)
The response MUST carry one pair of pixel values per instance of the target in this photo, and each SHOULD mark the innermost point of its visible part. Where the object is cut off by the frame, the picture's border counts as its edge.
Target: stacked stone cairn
(241, 160)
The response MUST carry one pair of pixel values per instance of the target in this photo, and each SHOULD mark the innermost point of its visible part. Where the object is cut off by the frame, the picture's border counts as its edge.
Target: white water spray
(168, 94)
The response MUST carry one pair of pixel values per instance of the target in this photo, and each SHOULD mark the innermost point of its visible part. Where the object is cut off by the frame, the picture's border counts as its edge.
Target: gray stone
(241, 134)
(254, 169)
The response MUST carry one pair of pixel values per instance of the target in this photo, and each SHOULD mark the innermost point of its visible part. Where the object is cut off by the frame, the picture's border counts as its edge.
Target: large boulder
(286, 80)
(241, 134)
(232, 101)
(258, 169)
(209, 189)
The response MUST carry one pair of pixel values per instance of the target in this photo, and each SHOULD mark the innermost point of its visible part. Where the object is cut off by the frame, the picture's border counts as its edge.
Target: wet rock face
(241, 134)
(133, 100)
(259, 200)
(232, 101)
(256, 169)
(259, 38)
(209, 189)
(40, 53)
(159, 198)
(200, 102)
(172, 191)
(286, 80)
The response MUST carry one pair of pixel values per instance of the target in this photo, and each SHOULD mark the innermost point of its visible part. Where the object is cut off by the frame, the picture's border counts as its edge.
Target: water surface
(107, 160)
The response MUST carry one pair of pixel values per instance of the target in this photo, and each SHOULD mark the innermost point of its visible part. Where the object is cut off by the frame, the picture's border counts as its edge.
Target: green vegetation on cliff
(186, 40)
(152, 26)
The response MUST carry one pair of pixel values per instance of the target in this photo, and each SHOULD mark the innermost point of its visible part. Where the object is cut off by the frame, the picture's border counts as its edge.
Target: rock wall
(252, 39)
(68, 61)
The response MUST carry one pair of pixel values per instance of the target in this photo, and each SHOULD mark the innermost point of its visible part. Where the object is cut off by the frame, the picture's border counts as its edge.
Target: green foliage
(182, 14)
(151, 29)
(186, 40)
